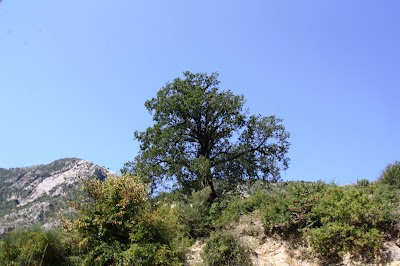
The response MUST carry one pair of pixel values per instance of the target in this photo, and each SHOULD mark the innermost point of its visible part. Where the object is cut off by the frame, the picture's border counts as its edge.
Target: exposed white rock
(50, 182)
(37, 193)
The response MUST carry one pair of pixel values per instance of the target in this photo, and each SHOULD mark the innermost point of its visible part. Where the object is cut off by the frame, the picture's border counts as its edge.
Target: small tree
(391, 175)
(202, 134)
(110, 210)
(223, 248)
(116, 225)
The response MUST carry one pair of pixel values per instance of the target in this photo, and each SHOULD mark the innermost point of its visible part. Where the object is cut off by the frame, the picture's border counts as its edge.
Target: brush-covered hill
(249, 223)
(38, 194)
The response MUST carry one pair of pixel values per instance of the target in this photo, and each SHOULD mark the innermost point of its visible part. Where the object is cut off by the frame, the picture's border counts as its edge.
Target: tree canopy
(202, 134)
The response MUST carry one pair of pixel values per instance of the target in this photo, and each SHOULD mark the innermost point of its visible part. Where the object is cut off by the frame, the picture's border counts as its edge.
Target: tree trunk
(208, 182)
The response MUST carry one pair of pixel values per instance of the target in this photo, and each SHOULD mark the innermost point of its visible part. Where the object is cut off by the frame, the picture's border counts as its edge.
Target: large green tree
(202, 134)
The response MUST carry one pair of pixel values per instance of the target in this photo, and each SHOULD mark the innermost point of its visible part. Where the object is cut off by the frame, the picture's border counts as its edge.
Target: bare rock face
(38, 194)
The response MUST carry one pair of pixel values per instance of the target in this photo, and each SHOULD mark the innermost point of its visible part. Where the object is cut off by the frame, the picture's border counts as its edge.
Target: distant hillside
(38, 194)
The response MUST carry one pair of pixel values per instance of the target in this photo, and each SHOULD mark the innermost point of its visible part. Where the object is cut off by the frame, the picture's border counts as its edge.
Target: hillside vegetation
(118, 224)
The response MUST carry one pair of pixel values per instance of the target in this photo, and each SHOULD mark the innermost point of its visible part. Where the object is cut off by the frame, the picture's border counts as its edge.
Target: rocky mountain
(39, 194)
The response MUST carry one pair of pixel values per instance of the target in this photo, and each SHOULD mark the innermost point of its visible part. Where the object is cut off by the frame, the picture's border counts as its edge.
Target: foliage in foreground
(119, 225)
(352, 220)
(335, 220)
(33, 247)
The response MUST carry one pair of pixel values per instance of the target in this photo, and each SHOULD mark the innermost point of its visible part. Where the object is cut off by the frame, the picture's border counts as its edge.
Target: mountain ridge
(37, 194)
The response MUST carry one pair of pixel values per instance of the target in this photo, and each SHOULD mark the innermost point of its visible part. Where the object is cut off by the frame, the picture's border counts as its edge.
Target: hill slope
(37, 194)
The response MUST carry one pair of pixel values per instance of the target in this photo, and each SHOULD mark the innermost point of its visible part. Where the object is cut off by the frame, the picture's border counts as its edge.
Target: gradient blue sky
(74, 76)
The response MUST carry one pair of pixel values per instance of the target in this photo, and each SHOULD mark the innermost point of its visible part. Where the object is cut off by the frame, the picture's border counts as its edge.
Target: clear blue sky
(74, 76)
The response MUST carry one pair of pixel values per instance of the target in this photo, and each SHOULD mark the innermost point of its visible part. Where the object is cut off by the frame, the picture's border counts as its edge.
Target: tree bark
(208, 182)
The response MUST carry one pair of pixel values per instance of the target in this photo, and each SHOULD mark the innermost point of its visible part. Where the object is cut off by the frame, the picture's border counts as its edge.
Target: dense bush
(111, 209)
(231, 209)
(336, 220)
(196, 213)
(223, 248)
(335, 239)
(391, 175)
(32, 247)
(118, 226)
(352, 220)
(287, 210)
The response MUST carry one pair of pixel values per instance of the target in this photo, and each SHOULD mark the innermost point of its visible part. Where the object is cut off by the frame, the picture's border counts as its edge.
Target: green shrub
(164, 226)
(352, 220)
(335, 239)
(32, 247)
(391, 175)
(150, 254)
(231, 209)
(276, 216)
(287, 210)
(223, 248)
(196, 213)
(118, 226)
(373, 205)
(104, 254)
(363, 183)
(110, 210)
(336, 220)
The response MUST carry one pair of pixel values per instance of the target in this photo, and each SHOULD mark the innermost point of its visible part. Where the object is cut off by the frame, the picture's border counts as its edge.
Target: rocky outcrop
(38, 194)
